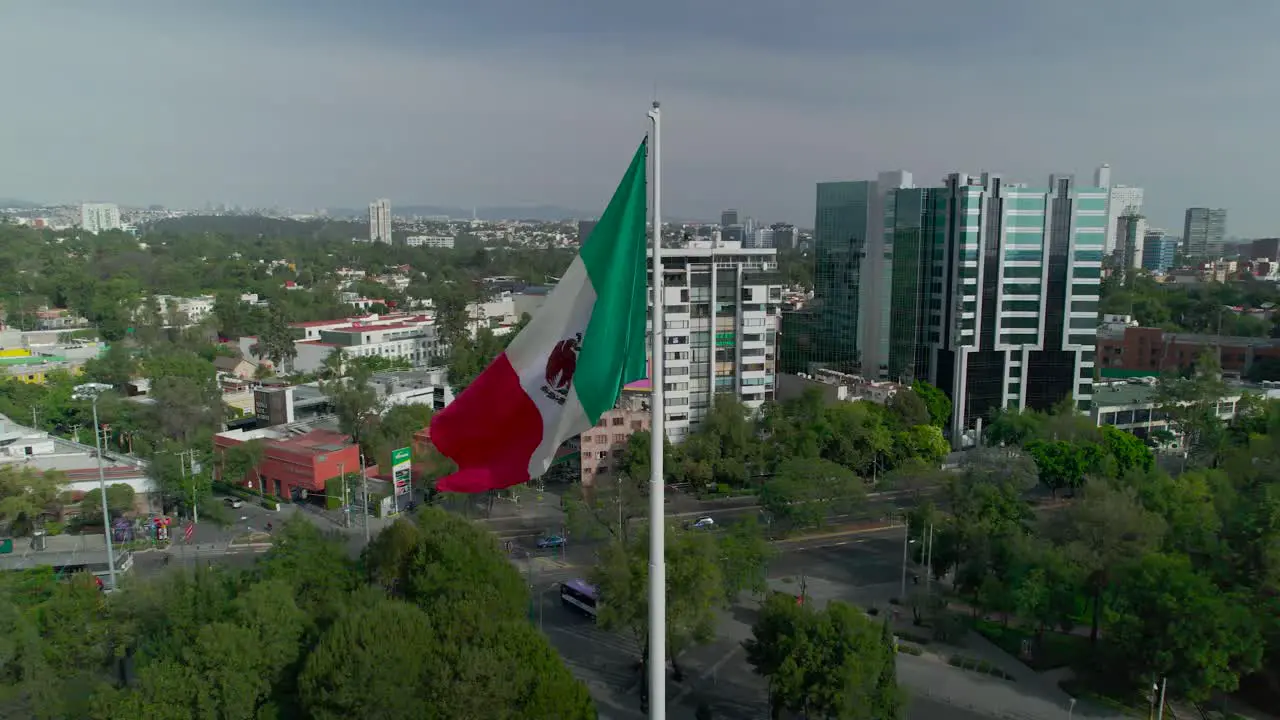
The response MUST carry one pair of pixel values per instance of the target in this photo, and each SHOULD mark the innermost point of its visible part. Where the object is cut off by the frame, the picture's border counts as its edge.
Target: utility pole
(906, 540)
(364, 479)
(1164, 684)
(346, 507)
(195, 498)
(928, 560)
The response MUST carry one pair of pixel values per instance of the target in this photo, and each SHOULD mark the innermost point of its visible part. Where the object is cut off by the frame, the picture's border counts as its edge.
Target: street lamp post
(91, 391)
(906, 540)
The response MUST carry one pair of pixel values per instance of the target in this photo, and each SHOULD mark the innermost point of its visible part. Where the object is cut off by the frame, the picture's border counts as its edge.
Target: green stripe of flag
(613, 351)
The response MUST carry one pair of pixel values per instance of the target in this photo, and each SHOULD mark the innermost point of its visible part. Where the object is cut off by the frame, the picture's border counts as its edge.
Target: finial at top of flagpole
(656, 105)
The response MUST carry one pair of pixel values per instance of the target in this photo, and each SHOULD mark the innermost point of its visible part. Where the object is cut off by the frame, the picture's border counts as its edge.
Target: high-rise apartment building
(728, 217)
(1204, 233)
(784, 236)
(721, 303)
(1018, 295)
(1131, 236)
(761, 238)
(380, 221)
(1159, 251)
(96, 217)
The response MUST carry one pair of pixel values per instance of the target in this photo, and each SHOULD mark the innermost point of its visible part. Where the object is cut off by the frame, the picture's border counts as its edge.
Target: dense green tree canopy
(298, 635)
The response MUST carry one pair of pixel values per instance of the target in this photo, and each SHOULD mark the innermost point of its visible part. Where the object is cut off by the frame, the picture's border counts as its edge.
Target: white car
(234, 502)
(702, 523)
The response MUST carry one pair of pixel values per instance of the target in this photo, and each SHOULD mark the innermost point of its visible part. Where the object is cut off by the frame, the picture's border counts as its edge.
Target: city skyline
(282, 120)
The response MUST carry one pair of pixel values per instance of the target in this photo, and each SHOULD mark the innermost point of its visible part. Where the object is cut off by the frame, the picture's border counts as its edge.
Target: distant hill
(539, 213)
(18, 204)
(262, 226)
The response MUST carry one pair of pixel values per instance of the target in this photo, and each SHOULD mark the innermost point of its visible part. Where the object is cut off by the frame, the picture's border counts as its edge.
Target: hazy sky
(310, 103)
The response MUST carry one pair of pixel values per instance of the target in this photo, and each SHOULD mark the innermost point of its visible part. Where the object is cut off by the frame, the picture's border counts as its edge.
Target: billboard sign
(401, 470)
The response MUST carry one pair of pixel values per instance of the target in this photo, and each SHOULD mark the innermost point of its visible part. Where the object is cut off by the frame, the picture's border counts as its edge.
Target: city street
(862, 568)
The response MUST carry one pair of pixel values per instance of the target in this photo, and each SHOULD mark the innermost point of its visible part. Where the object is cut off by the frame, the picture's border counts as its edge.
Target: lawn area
(1055, 650)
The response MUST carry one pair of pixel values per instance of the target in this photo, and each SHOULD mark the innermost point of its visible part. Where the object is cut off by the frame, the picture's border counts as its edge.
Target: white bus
(579, 595)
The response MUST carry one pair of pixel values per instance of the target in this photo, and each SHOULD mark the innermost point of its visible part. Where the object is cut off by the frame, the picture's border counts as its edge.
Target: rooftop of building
(60, 551)
(31, 360)
(359, 328)
(1122, 393)
(1118, 333)
(303, 437)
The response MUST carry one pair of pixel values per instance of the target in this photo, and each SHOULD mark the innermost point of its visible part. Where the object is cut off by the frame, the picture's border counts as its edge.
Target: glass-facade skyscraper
(987, 289)
(825, 334)
(1019, 295)
(1204, 232)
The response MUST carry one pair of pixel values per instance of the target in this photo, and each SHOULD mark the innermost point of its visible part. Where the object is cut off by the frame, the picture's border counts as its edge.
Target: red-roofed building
(293, 463)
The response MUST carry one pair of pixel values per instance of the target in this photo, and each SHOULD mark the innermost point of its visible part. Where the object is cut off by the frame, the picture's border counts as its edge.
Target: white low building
(26, 447)
(400, 336)
(430, 241)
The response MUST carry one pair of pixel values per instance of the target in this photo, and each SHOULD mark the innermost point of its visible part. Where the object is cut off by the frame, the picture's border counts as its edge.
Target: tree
(695, 589)
(25, 495)
(120, 498)
(1063, 464)
(936, 401)
(1169, 621)
(906, 409)
(744, 559)
(468, 357)
(723, 450)
(115, 367)
(804, 493)
(1192, 406)
(1127, 451)
(356, 404)
(833, 663)
(238, 461)
(443, 669)
(276, 342)
(1104, 529)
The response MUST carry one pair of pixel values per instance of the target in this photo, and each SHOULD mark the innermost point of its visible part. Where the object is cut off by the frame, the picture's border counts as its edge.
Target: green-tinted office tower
(915, 229)
(1019, 295)
(825, 334)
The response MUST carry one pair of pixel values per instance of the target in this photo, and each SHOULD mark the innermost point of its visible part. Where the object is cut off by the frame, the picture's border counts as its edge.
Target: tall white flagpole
(657, 661)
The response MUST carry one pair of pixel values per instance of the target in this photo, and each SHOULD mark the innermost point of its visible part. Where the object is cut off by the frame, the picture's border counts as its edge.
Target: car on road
(233, 502)
(702, 523)
(550, 541)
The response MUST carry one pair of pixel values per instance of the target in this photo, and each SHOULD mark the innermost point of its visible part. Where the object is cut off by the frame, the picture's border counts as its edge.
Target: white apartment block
(189, 311)
(411, 339)
(397, 336)
(721, 304)
(497, 315)
(96, 217)
(380, 221)
(430, 241)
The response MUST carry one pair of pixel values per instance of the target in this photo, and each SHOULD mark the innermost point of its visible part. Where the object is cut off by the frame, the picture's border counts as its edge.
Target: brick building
(295, 462)
(1154, 350)
(603, 446)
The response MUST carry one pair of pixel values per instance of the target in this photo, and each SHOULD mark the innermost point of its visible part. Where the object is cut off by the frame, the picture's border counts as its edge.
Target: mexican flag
(567, 366)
